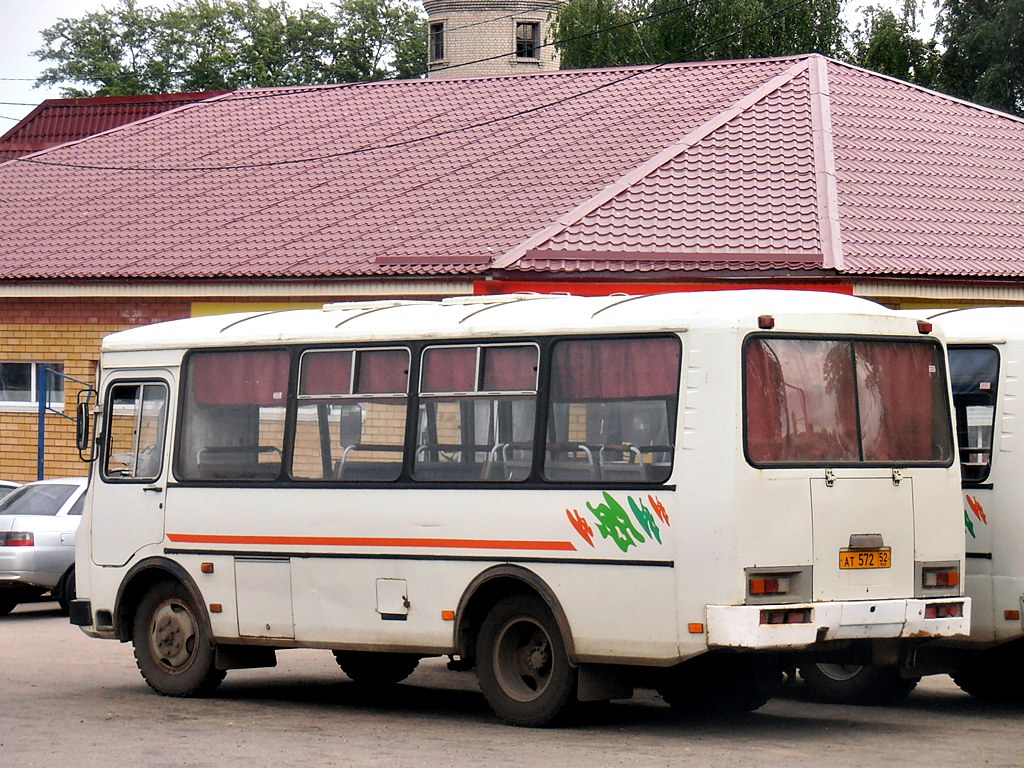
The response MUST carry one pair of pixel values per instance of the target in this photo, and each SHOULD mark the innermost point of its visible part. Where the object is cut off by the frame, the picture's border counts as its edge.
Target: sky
(22, 20)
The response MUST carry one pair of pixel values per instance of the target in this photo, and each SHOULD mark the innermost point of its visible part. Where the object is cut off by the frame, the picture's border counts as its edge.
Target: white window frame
(32, 404)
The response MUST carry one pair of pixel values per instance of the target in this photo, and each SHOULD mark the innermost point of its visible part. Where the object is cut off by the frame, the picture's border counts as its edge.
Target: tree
(677, 30)
(887, 43)
(197, 45)
(984, 56)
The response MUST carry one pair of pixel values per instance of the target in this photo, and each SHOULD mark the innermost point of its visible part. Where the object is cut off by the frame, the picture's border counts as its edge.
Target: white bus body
(986, 362)
(575, 494)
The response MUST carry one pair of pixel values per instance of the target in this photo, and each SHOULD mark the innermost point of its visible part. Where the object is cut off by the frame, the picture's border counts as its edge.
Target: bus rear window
(834, 402)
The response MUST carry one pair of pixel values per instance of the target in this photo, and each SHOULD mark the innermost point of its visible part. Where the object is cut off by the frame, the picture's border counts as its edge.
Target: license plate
(855, 559)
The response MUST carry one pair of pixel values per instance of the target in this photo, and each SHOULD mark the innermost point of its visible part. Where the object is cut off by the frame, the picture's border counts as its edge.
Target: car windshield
(36, 499)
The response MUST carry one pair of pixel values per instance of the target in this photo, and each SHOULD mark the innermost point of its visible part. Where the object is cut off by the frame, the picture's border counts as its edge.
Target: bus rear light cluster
(944, 610)
(17, 539)
(768, 585)
(940, 578)
(786, 616)
(1011, 615)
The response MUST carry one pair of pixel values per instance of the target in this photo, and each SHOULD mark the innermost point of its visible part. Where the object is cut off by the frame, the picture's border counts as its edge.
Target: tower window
(437, 41)
(528, 40)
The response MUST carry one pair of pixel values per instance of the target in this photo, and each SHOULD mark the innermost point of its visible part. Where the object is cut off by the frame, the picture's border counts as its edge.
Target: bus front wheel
(522, 664)
(173, 649)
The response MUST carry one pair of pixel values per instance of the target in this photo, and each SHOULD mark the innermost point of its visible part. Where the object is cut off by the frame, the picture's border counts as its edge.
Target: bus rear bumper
(801, 625)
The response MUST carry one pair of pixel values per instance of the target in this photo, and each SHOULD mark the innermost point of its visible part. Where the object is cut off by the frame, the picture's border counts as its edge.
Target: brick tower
(510, 34)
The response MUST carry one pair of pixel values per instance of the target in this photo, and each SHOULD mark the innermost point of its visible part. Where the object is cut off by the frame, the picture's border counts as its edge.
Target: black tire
(7, 604)
(721, 684)
(995, 675)
(65, 591)
(857, 683)
(173, 649)
(376, 668)
(522, 664)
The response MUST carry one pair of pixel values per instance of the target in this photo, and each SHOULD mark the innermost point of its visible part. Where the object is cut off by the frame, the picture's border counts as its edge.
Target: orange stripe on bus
(351, 541)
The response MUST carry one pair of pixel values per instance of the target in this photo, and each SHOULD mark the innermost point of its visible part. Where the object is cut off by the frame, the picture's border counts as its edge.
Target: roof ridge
(924, 89)
(644, 170)
(826, 190)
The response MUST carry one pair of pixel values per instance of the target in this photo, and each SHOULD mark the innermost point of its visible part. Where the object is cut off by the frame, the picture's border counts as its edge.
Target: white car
(38, 522)
(6, 486)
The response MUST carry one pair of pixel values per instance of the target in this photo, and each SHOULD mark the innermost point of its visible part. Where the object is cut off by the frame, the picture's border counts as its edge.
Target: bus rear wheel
(857, 683)
(522, 664)
(376, 668)
(173, 649)
(720, 684)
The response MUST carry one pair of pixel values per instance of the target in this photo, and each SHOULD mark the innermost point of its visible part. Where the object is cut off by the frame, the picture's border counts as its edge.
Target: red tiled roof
(57, 121)
(784, 165)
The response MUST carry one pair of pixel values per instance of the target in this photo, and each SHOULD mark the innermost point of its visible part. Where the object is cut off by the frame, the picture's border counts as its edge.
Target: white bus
(986, 362)
(574, 495)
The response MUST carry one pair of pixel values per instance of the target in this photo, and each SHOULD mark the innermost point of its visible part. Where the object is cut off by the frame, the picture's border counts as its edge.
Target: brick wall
(483, 29)
(64, 331)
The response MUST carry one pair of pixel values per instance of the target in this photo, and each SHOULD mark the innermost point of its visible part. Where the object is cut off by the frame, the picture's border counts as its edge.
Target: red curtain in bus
(326, 373)
(615, 369)
(897, 385)
(239, 378)
(449, 369)
(382, 372)
(509, 369)
(764, 403)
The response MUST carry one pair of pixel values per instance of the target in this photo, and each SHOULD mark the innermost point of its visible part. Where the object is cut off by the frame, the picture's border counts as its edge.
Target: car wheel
(173, 649)
(7, 604)
(65, 591)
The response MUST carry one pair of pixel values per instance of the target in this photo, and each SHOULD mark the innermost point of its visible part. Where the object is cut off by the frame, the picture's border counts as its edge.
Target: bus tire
(173, 649)
(7, 604)
(857, 683)
(522, 664)
(993, 675)
(720, 684)
(367, 668)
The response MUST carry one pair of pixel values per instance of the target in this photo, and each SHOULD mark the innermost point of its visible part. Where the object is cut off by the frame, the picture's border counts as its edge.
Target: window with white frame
(19, 383)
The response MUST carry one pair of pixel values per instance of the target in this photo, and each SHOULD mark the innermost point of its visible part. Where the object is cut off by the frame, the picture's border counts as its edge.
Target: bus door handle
(154, 488)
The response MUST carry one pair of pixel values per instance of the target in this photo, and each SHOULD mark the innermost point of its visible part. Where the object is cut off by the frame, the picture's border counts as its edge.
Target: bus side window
(233, 415)
(136, 421)
(350, 421)
(612, 410)
(477, 411)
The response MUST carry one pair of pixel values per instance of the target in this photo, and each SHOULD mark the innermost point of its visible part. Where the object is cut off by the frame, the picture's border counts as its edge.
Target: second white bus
(573, 495)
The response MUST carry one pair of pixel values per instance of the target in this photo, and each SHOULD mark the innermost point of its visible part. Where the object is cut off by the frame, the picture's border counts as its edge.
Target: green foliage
(887, 43)
(696, 30)
(984, 56)
(198, 45)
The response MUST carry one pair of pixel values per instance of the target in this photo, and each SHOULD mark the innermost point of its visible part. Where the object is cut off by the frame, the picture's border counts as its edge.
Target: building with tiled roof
(796, 171)
(58, 121)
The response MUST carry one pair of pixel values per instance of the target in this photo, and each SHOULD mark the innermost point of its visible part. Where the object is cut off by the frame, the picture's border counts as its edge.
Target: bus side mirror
(83, 424)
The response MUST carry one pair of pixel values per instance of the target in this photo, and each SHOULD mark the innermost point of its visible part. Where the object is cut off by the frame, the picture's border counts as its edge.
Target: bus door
(131, 475)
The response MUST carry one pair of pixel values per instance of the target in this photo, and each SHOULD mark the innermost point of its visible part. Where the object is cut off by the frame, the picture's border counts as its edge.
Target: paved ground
(67, 701)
